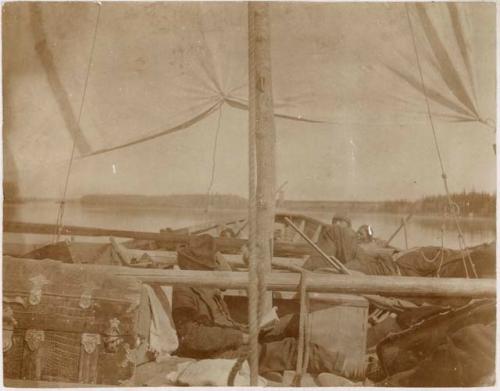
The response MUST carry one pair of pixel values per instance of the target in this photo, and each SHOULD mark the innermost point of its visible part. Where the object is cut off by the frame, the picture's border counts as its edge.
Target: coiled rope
(60, 212)
(453, 207)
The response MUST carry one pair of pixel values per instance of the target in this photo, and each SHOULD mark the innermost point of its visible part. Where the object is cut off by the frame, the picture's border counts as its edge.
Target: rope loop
(236, 368)
(434, 259)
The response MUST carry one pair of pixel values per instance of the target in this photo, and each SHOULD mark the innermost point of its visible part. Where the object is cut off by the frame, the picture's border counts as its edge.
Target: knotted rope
(454, 209)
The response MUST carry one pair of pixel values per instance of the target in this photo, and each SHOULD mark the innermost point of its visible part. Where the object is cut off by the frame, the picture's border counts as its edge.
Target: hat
(198, 254)
(339, 217)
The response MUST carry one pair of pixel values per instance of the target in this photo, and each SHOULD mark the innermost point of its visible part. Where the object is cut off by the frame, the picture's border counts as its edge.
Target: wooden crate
(338, 322)
(70, 323)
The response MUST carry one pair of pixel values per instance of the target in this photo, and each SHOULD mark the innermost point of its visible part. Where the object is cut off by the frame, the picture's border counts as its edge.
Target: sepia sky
(374, 141)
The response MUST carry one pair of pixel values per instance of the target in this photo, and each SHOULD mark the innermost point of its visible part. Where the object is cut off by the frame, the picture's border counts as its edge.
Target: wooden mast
(262, 115)
(262, 172)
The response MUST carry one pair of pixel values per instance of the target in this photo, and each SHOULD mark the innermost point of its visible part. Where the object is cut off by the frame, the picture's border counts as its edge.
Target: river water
(421, 230)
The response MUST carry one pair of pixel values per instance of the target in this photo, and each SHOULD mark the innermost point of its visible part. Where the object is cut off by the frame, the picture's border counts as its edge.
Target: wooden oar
(333, 261)
(120, 251)
(384, 302)
(399, 228)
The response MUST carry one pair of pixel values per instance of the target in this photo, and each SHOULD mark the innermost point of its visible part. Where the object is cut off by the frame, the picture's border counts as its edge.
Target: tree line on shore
(471, 203)
(227, 201)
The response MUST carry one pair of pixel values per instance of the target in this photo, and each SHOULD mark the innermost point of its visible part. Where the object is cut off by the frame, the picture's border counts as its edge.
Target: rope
(438, 271)
(253, 292)
(405, 232)
(453, 206)
(214, 155)
(236, 368)
(60, 213)
(438, 253)
(304, 333)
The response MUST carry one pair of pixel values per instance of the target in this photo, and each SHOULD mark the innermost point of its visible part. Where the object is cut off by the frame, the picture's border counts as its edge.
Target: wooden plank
(164, 257)
(204, 227)
(280, 217)
(169, 258)
(19, 249)
(342, 328)
(122, 252)
(302, 225)
(319, 300)
(18, 383)
(164, 238)
(317, 234)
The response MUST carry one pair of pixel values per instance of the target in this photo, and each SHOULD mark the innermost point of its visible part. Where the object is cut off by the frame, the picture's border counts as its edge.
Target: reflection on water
(421, 230)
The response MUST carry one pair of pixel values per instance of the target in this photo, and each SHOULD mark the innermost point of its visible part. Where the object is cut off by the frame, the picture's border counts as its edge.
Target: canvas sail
(166, 67)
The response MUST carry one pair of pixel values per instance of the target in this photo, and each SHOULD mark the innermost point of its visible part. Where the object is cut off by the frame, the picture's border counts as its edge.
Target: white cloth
(162, 334)
(211, 372)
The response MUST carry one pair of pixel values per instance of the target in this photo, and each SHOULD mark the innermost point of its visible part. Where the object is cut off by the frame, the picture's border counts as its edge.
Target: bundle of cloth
(441, 347)
(374, 258)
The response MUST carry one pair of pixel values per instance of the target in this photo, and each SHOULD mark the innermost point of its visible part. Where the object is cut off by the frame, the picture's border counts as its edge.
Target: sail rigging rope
(214, 155)
(304, 331)
(453, 207)
(443, 228)
(60, 212)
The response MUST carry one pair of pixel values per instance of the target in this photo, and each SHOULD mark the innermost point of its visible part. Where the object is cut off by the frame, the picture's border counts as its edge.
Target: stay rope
(443, 227)
(453, 207)
(304, 332)
(60, 212)
(214, 156)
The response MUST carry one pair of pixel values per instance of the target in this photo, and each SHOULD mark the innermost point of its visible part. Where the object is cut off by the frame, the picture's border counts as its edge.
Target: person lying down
(206, 329)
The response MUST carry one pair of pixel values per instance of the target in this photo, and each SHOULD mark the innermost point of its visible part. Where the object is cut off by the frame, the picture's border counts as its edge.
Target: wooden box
(338, 322)
(70, 323)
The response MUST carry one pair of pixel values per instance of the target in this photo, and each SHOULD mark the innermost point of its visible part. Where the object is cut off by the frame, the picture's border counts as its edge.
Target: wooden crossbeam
(381, 285)
(223, 244)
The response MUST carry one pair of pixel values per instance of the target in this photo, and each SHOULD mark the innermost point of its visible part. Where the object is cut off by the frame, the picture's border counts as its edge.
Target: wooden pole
(403, 222)
(330, 259)
(163, 238)
(407, 219)
(262, 169)
(265, 134)
(328, 283)
(253, 278)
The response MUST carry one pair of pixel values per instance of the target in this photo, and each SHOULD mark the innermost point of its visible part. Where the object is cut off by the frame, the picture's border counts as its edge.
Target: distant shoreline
(484, 206)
